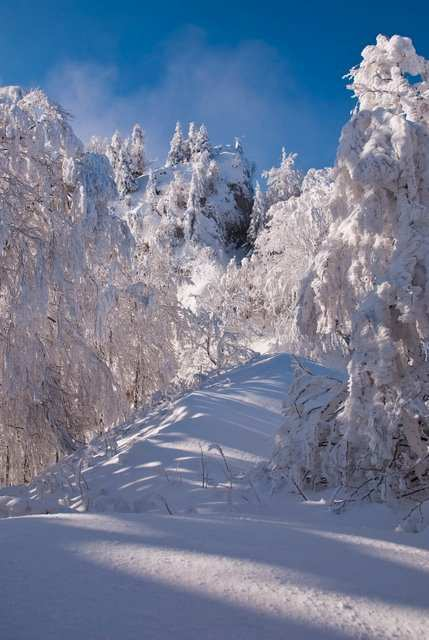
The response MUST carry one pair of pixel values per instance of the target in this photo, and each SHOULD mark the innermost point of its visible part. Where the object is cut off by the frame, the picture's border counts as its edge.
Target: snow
(122, 283)
(108, 577)
(231, 564)
(368, 283)
(158, 457)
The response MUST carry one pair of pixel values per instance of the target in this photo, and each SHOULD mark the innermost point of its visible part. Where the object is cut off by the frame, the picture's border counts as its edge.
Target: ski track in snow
(230, 563)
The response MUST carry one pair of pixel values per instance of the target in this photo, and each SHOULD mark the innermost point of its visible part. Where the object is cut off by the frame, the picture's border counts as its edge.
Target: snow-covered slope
(156, 462)
(230, 563)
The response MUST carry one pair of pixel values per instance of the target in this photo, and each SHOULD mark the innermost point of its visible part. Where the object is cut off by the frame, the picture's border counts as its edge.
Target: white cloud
(244, 90)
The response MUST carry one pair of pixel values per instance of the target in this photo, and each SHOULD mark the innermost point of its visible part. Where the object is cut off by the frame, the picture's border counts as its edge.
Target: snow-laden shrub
(262, 291)
(285, 249)
(307, 442)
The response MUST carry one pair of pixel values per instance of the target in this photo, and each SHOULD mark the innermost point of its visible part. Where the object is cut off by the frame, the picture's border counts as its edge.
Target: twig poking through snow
(203, 469)
(300, 491)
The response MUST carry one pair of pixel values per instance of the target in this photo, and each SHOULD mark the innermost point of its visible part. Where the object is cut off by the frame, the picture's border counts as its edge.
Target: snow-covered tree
(201, 142)
(151, 193)
(136, 151)
(283, 182)
(283, 252)
(369, 286)
(309, 432)
(258, 215)
(177, 152)
(195, 198)
(123, 171)
(190, 142)
(177, 195)
(87, 332)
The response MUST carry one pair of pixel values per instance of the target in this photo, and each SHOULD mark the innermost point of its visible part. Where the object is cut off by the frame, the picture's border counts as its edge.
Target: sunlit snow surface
(230, 562)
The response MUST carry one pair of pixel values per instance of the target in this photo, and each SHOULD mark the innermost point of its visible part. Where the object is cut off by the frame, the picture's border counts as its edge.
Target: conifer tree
(118, 155)
(190, 142)
(136, 151)
(201, 143)
(177, 152)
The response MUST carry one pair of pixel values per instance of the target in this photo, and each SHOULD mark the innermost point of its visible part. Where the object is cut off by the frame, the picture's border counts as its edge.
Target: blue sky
(268, 72)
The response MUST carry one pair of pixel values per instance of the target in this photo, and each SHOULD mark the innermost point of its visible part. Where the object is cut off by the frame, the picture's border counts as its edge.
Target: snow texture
(141, 509)
(241, 564)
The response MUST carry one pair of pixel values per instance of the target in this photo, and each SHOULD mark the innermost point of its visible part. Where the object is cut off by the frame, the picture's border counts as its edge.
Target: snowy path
(229, 564)
(158, 465)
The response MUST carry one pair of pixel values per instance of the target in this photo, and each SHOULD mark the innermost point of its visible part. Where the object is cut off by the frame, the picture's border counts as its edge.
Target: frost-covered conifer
(136, 151)
(190, 142)
(177, 152)
(118, 154)
(283, 182)
(201, 142)
(176, 194)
